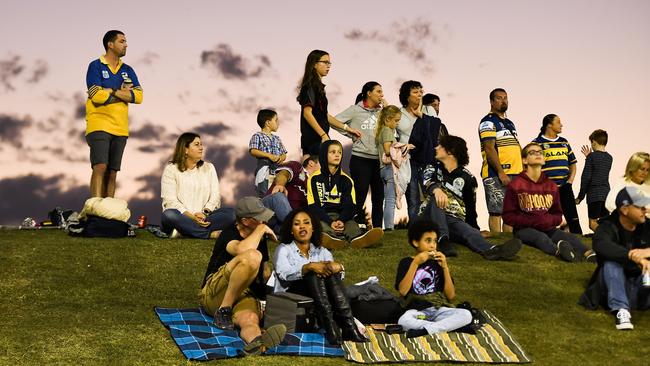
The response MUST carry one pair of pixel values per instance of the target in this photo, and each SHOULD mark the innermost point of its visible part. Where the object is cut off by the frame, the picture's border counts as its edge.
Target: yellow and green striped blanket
(492, 344)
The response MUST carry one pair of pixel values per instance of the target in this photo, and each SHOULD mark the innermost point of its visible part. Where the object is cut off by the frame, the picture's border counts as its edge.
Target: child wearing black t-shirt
(425, 283)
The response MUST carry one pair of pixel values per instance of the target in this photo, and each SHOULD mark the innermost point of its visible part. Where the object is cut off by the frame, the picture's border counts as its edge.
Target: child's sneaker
(506, 251)
(330, 242)
(590, 256)
(624, 320)
(370, 237)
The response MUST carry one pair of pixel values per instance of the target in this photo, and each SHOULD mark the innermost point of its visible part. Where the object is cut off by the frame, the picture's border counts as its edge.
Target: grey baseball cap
(252, 207)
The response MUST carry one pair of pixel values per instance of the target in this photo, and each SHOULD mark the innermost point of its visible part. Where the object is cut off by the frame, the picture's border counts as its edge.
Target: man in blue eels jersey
(112, 86)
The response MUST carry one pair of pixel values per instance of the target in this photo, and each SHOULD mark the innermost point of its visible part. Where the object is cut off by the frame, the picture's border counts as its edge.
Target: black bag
(96, 226)
(295, 311)
(59, 216)
(478, 320)
(376, 311)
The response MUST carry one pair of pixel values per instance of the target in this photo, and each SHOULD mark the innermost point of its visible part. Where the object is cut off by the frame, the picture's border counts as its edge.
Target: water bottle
(645, 279)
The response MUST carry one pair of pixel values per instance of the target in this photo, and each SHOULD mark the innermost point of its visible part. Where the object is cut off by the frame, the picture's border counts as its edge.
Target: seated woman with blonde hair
(636, 175)
(190, 193)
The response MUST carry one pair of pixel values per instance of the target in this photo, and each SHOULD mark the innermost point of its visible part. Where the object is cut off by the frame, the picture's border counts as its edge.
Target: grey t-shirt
(407, 121)
(364, 120)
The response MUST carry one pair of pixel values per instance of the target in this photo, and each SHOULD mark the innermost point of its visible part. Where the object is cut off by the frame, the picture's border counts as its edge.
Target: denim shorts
(494, 194)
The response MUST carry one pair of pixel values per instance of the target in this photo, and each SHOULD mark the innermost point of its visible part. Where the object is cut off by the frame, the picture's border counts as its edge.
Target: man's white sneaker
(623, 320)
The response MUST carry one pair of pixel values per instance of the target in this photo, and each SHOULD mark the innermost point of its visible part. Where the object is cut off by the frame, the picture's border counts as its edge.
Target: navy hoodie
(330, 193)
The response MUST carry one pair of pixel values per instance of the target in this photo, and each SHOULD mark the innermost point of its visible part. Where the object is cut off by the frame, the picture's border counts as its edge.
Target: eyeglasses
(534, 152)
(325, 62)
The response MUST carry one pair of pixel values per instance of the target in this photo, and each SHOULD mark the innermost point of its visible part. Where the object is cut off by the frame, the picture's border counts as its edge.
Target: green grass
(69, 300)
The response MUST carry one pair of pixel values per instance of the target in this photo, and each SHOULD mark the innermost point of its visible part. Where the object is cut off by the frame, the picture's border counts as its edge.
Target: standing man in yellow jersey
(112, 85)
(501, 156)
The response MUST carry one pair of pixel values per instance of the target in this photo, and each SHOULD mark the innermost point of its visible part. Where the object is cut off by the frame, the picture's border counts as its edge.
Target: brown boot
(331, 242)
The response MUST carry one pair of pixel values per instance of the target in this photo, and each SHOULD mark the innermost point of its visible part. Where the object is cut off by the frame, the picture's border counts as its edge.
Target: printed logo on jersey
(534, 202)
(459, 183)
(370, 123)
(556, 152)
(105, 74)
(486, 126)
(333, 196)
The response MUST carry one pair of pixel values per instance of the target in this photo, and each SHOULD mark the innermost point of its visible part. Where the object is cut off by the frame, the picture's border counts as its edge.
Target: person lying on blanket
(235, 277)
(424, 281)
(304, 267)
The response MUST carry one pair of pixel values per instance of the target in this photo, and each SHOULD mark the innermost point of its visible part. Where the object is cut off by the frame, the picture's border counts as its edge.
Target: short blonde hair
(636, 161)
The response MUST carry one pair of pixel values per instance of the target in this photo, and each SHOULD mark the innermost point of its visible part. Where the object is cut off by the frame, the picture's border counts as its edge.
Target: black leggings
(568, 203)
(365, 174)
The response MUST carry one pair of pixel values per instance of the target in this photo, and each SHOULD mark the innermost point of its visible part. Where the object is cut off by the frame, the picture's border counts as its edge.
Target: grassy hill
(69, 300)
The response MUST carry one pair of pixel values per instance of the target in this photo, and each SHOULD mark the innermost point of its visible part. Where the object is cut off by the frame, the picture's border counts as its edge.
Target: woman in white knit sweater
(190, 193)
(636, 175)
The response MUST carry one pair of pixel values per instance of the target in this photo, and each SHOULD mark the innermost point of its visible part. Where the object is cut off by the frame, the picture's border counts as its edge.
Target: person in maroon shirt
(289, 189)
(532, 207)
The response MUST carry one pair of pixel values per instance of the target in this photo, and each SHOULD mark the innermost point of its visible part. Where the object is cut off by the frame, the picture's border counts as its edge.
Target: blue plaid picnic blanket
(198, 339)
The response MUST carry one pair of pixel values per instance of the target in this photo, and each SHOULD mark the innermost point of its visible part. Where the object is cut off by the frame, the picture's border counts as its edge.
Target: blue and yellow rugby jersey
(558, 156)
(103, 111)
(503, 131)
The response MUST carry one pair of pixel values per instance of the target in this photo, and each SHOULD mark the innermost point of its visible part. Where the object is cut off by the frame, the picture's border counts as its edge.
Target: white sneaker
(623, 320)
(175, 235)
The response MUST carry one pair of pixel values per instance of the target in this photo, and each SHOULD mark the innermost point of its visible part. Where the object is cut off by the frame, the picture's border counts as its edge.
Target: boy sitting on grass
(424, 281)
(267, 148)
(330, 195)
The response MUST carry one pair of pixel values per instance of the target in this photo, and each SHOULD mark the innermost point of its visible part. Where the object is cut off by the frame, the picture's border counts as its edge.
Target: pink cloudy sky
(209, 67)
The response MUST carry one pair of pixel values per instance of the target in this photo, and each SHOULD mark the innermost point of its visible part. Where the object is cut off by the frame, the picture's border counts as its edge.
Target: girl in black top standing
(315, 121)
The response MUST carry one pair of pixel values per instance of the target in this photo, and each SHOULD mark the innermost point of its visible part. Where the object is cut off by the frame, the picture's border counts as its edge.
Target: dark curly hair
(419, 227)
(285, 231)
(457, 147)
(405, 91)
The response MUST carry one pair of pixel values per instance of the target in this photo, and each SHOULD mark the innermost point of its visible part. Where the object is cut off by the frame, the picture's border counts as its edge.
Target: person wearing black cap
(235, 277)
(622, 245)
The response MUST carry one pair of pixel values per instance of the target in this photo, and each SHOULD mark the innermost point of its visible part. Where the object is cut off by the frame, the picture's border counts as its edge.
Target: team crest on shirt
(105, 74)
(459, 183)
(546, 146)
(486, 126)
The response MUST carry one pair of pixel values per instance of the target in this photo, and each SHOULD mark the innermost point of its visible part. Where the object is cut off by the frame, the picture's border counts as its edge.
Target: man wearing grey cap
(622, 245)
(235, 277)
